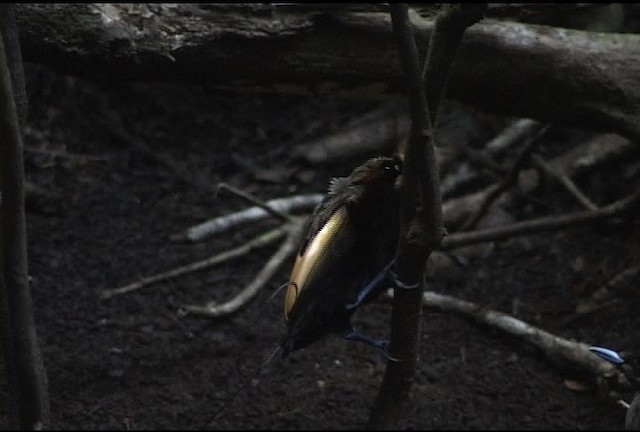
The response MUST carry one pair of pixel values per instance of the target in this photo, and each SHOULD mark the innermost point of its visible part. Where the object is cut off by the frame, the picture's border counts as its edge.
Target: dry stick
(478, 158)
(512, 135)
(253, 200)
(67, 155)
(625, 280)
(564, 181)
(293, 227)
(288, 248)
(251, 214)
(508, 181)
(262, 240)
(556, 348)
(28, 402)
(590, 310)
(601, 150)
(541, 224)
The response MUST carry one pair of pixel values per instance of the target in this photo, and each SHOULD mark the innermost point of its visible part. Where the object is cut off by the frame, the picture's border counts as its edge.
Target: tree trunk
(555, 75)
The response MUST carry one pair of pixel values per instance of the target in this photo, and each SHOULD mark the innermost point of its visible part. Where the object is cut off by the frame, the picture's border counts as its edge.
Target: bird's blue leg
(378, 343)
(375, 282)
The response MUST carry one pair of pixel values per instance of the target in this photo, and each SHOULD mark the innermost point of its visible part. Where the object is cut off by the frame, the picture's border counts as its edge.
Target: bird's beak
(607, 354)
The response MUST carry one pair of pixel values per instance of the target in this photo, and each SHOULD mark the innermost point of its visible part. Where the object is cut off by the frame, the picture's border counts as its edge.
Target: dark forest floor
(132, 362)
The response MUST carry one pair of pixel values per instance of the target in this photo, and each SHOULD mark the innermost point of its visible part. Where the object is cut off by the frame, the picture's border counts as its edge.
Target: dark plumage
(343, 260)
(346, 254)
(629, 364)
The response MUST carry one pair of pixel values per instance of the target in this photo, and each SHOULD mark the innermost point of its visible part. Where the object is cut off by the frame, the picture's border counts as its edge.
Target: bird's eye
(392, 167)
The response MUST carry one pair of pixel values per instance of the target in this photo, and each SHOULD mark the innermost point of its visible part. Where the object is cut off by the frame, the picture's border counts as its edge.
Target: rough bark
(26, 377)
(14, 59)
(506, 67)
(421, 228)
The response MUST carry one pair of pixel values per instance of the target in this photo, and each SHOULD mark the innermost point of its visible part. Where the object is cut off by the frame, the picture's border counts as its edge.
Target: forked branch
(421, 209)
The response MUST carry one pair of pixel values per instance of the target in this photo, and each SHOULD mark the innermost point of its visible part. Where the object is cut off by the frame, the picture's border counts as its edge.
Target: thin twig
(598, 152)
(253, 200)
(288, 248)
(512, 135)
(564, 181)
(67, 155)
(584, 312)
(251, 214)
(262, 240)
(623, 282)
(484, 161)
(508, 181)
(541, 224)
(623, 404)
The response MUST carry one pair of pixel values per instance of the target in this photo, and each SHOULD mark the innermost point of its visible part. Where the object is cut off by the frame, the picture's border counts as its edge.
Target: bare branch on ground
(600, 151)
(560, 350)
(252, 214)
(287, 249)
(507, 181)
(565, 181)
(261, 240)
(547, 223)
(248, 197)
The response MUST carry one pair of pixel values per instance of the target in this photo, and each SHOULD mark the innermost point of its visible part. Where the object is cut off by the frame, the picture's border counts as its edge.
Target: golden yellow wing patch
(306, 265)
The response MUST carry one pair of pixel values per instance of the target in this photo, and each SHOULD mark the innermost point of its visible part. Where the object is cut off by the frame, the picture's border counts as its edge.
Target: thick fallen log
(554, 75)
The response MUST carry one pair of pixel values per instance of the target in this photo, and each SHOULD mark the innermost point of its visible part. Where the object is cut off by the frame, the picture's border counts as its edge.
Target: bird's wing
(329, 239)
(336, 198)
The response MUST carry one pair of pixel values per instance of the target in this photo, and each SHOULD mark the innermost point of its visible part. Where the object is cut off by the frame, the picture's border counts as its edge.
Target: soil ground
(132, 363)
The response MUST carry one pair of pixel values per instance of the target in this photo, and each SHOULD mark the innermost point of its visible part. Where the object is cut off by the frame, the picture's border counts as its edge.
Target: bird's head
(380, 170)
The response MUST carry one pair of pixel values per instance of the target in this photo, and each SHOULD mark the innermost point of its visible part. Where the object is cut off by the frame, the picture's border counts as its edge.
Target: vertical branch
(448, 30)
(421, 209)
(9, 31)
(421, 231)
(27, 381)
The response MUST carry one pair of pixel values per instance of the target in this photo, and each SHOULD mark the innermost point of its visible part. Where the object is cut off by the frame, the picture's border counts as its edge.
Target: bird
(629, 364)
(346, 256)
(344, 260)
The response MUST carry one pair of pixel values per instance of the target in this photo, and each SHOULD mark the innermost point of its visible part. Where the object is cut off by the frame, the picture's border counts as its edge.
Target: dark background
(132, 363)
